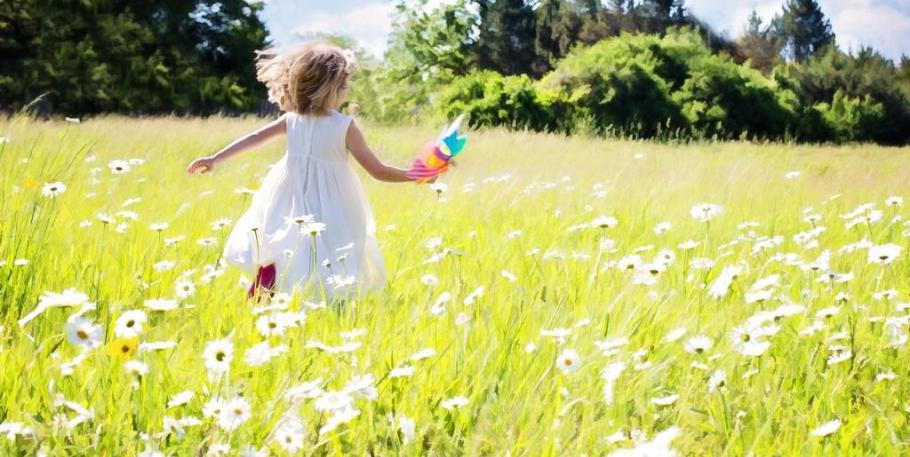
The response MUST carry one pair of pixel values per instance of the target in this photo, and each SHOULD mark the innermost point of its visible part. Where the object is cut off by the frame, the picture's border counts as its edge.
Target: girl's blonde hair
(307, 80)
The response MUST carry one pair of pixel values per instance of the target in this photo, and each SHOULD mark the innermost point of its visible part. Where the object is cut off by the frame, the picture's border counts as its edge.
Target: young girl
(310, 218)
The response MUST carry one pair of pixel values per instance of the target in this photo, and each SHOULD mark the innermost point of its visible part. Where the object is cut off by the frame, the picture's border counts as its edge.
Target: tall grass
(517, 205)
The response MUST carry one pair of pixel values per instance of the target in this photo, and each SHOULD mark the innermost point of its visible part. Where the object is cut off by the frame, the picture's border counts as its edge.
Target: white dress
(314, 177)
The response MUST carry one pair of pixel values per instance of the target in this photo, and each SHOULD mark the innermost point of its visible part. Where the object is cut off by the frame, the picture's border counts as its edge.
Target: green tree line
(640, 68)
(646, 69)
(92, 56)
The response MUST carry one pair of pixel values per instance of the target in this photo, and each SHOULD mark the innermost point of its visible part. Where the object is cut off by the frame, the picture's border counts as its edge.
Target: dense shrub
(617, 84)
(673, 86)
(851, 119)
(867, 73)
(491, 99)
(641, 85)
(723, 99)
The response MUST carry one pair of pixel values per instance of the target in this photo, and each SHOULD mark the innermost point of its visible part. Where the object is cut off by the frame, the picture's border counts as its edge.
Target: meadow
(556, 296)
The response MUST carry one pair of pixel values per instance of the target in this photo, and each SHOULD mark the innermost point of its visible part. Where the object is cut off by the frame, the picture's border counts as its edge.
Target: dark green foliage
(515, 38)
(673, 86)
(658, 15)
(904, 70)
(557, 29)
(135, 57)
(852, 119)
(644, 68)
(492, 99)
(723, 99)
(506, 38)
(804, 29)
(595, 24)
(650, 86)
(867, 73)
(617, 85)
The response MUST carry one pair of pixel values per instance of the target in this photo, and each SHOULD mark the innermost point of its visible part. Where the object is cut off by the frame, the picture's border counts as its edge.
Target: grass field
(519, 319)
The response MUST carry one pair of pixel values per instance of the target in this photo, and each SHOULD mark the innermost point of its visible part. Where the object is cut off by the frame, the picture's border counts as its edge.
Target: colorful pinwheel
(435, 156)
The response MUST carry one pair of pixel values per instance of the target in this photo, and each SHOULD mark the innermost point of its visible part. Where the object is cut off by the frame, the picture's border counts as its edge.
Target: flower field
(550, 296)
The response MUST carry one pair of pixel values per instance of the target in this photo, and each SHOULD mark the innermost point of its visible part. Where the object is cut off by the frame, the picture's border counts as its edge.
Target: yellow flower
(30, 182)
(123, 348)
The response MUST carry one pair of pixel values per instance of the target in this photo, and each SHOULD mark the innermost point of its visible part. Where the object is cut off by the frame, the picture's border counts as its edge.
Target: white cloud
(369, 24)
(731, 17)
(883, 24)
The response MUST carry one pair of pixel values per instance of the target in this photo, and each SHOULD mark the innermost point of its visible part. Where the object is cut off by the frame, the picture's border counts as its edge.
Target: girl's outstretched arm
(248, 141)
(368, 160)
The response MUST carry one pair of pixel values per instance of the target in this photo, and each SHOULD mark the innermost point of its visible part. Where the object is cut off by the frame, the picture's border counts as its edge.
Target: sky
(883, 24)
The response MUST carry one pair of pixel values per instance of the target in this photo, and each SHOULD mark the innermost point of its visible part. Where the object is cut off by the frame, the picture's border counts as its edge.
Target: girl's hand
(202, 165)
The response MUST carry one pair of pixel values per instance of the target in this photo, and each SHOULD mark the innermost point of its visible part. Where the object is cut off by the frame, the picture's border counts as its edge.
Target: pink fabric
(265, 279)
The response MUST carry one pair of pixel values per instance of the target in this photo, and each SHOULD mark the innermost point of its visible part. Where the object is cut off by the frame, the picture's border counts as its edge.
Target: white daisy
(161, 304)
(662, 227)
(454, 402)
(332, 400)
(423, 354)
(604, 222)
(180, 399)
(313, 228)
(136, 367)
(289, 434)
(83, 332)
(184, 288)
(271, 325)
(262, 353)
(698, 344)
(338, 417)
(827, 428)
(402, 372)
(665, 400)
(717, 380)
(119, 167)
(53, 189)
(363, 386)
(235, 412)
(405, 426)
(568, 361)
(129, 324)
(884, 254)
(704, 212)
(439, 187)
(218, 355)
(213, 407)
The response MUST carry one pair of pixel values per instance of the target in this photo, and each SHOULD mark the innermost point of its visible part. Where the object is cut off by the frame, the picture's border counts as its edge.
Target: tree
(557, 28)
(595, 23)
(805, 29)
(506, 39)
(660, 14)
(427, 48)
(138, 57)
(617, 13)
(759, 44)
(821, 77)
(904, 72)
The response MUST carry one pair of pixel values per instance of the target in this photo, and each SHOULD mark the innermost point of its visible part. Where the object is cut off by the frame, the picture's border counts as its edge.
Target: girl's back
(320, 137)
(311, 214)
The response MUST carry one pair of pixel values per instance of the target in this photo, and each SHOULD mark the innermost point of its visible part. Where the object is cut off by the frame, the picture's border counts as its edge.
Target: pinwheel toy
(435, 156)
